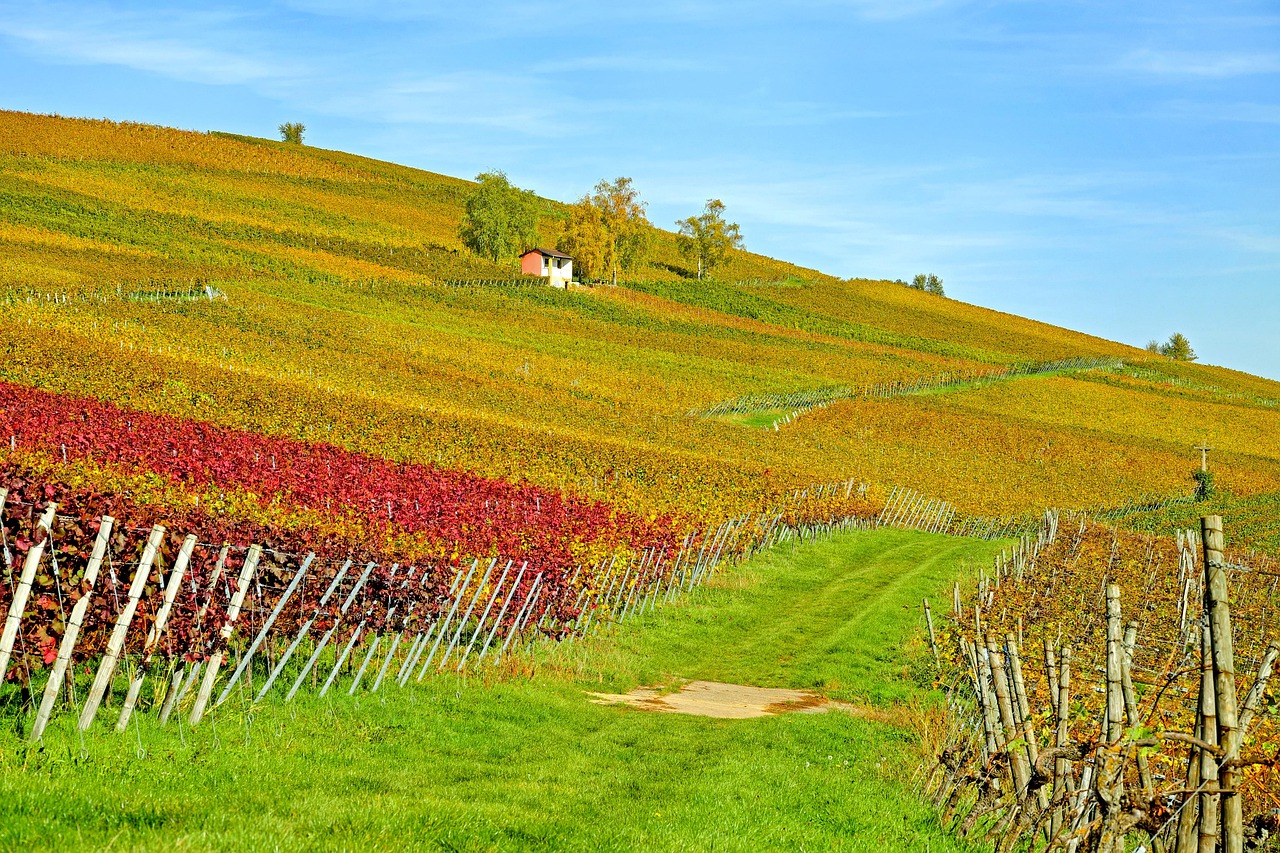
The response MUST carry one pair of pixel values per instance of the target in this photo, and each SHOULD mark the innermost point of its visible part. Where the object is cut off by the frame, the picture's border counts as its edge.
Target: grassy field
(528, 763)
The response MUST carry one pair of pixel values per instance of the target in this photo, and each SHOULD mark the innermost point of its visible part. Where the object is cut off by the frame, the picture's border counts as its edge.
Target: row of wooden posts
(797, 403)
(465, 627)
(998, 778)
(139, 292)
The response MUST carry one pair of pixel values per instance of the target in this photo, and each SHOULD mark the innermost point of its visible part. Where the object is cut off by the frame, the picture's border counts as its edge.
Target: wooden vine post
(224, 634)
(69, 638)
(933, 637)
(1224, 678)
(157, 631)
(13, 621)
(1210, 803)
(115, 645)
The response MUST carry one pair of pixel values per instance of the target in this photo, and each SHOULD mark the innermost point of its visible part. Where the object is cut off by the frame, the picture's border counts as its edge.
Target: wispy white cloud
(889, 10)
(1248, 240)
(180, 45)
(1211, 65)
(1249, 113)
(647, 64)
(465, 98)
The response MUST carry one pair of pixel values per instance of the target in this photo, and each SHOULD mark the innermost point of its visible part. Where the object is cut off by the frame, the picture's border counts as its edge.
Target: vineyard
(178, 598)
(268, 431)
(1106, 686)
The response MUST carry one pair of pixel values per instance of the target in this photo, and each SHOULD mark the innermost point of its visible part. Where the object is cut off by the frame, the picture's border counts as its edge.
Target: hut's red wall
(531, 264)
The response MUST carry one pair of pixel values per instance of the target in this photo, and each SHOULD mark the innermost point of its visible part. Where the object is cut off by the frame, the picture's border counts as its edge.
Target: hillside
(335, 324)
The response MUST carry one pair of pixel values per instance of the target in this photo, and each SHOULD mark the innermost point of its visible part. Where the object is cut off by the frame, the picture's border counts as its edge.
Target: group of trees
(606, 231)
(1177, 348)
(928, 283)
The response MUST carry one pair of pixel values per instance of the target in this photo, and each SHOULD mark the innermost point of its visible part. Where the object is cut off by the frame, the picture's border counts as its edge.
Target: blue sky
(1111, 167)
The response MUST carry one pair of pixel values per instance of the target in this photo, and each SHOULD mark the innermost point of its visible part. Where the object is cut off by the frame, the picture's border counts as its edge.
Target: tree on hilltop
(499, 219)
(706, 239)
(929, 284)
(1177, 348)
(291, 131)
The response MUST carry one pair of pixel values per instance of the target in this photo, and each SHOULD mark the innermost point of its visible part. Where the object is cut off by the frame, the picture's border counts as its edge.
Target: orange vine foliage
(1059, 596)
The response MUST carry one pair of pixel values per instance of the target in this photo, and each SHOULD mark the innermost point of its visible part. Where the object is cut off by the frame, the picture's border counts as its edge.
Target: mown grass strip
(530, 763)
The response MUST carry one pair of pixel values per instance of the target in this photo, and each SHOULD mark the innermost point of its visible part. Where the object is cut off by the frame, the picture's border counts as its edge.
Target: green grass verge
(529, 763)
(1250, 520)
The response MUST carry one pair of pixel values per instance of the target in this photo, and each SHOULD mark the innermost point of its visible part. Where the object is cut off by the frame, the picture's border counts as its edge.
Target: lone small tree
(929, 284)
(499, 219)
(291, 131)
(1204, 484)
(1177, 348)
(706, 239)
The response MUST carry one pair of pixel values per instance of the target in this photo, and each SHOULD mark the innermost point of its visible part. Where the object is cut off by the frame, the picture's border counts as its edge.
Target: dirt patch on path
(726, 701)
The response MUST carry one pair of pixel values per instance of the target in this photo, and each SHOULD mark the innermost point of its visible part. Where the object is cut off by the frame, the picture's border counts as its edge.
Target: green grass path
(529, 763)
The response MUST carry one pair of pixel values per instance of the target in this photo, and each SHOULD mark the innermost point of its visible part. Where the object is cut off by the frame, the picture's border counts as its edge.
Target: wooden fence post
(1062, 766)
(193, 670)
(13, 621)
(1018, 769)
(224, 635)
(933, 639)
(157, 630)
(69, 638)
(1210, 809)
(107, 667)
(1224, 677)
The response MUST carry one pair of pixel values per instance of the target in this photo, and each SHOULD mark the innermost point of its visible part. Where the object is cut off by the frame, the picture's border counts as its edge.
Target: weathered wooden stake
(107, 667)
(224, 634)
(1210, 808)
(22, 592)
(193, 670)
(1255, 694)
(68, 644)
(933, 638)
(1224, 677)
(1023, 708)
(1062, 767)
(157, 630)
(1000, 683)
